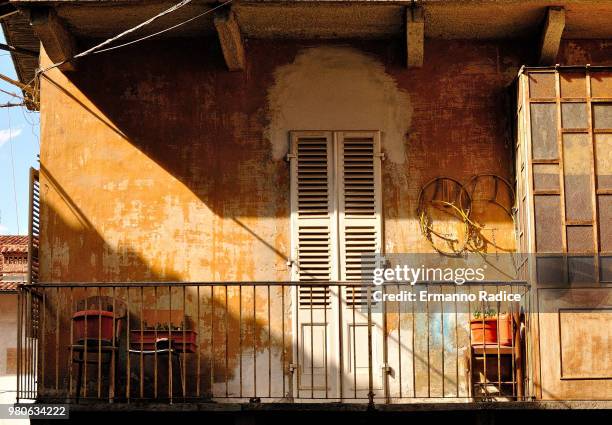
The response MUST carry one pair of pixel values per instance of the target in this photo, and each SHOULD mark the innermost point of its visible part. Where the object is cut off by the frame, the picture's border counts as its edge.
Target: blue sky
(19, 132)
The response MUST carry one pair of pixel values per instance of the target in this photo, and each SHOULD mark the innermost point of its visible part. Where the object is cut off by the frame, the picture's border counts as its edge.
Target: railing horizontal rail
(268, 283)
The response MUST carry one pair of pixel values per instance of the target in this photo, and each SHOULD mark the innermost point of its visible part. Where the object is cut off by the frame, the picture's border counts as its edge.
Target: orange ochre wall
(157, 164)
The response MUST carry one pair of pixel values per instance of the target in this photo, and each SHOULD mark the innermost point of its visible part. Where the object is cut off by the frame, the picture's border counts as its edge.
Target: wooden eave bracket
(551, 35)
(415, 36)
(58, 42)
(230, 38)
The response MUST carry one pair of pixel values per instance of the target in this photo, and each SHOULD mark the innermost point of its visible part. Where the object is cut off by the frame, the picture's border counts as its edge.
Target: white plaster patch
(337, 88)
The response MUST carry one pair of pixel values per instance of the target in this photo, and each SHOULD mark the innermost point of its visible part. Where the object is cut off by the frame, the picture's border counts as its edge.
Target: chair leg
(79, 376)
(111, 377)
(180, 362)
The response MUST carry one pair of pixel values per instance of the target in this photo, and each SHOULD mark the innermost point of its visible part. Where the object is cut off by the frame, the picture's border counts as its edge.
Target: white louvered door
(360, 239)
(336, 224)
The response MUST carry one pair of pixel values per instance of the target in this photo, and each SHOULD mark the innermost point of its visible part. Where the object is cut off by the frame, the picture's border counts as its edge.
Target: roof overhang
(89, 20)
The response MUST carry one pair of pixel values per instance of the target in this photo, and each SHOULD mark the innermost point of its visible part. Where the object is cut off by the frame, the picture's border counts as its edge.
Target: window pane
(548, 223)
(602, 115)
(572, 84)
(601, 84)
(577, 173)
(542, 84)
(581, 269)
(546, 176)
(544, 131)
(574, 115)
(603, 160)
(580, 239)
(605, 218)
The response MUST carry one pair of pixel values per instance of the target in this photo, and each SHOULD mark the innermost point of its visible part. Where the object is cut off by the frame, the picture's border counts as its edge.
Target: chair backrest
(104, 303)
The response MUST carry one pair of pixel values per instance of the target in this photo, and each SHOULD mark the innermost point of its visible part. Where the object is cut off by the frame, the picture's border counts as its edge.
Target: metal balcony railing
(273, 342)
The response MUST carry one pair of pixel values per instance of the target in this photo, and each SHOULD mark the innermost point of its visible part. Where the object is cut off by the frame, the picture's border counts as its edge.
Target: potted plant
(483, 326)
(487, 325)
(505, 329)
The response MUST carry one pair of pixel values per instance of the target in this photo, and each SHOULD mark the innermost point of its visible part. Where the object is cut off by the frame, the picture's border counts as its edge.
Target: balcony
(272, 342)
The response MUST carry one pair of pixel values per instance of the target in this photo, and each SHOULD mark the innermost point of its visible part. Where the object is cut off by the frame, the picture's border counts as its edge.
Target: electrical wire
(164, 30)
(10, 141)
(97, 48)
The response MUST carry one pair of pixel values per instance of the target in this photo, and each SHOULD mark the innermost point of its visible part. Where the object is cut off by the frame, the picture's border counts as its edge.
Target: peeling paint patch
(337, 88)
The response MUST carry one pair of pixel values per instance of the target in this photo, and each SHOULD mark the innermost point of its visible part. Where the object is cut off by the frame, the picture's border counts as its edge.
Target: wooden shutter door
(314, 252)
(360, 238)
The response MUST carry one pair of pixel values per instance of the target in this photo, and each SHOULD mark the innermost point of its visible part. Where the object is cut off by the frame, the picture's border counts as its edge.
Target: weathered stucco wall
(159, 165)
(174, 148)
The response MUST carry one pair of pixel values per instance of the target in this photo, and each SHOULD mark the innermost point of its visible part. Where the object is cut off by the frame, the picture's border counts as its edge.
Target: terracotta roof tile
(13, 243)
(13, 240)
(9, 286)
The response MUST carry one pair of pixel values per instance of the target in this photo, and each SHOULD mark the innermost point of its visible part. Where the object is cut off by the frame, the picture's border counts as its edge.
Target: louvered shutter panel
(312, 201)
(359, 187)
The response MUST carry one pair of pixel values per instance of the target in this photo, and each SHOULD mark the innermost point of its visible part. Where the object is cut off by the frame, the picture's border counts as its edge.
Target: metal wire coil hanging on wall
(444, 198)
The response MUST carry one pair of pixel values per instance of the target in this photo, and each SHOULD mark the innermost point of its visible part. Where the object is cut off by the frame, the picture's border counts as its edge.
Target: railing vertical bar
(428, 351)
(269, 342)
(339, 291)
(471, 348)
(512, 357)
(28, 316)
(443, 346)
(226, 343)
(283, 359)
(354, 338)
(413, 349)
(170, 347)
(385, 335)
(499, 382)
(99, 342)
(484, 346)
(57, 340)
(456, 342)
(183, 354)
(325, 289)
(399, 343)
(297, 340)
(370, 364)
(156, 337)
(212, 341)
(85, 347)
(115, 350)
(240, 333)
(43, 351)
(72, 342)
(198, 342)
(20, 325)
(128, 377)
(254, 342)
(141, 353)
(311, 345)
(30, 341)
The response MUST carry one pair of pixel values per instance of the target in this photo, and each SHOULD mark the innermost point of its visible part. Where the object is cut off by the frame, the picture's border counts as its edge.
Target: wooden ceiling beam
(230, 37)
(415, 37)
(554, 25)
(58, 42)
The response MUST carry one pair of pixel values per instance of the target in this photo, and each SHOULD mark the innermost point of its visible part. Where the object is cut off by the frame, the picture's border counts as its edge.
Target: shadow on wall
(242, 339)
(223, 319)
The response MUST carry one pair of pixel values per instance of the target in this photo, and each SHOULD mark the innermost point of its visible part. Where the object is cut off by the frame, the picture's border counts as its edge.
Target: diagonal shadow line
(65, 197)
(95, 114)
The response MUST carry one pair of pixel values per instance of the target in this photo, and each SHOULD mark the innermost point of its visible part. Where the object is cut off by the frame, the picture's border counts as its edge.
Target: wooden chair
(96, 348)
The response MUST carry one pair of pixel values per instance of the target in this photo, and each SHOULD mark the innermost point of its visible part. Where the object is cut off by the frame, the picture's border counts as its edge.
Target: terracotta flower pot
(93, 325)
(505, 329)
(484, 331)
